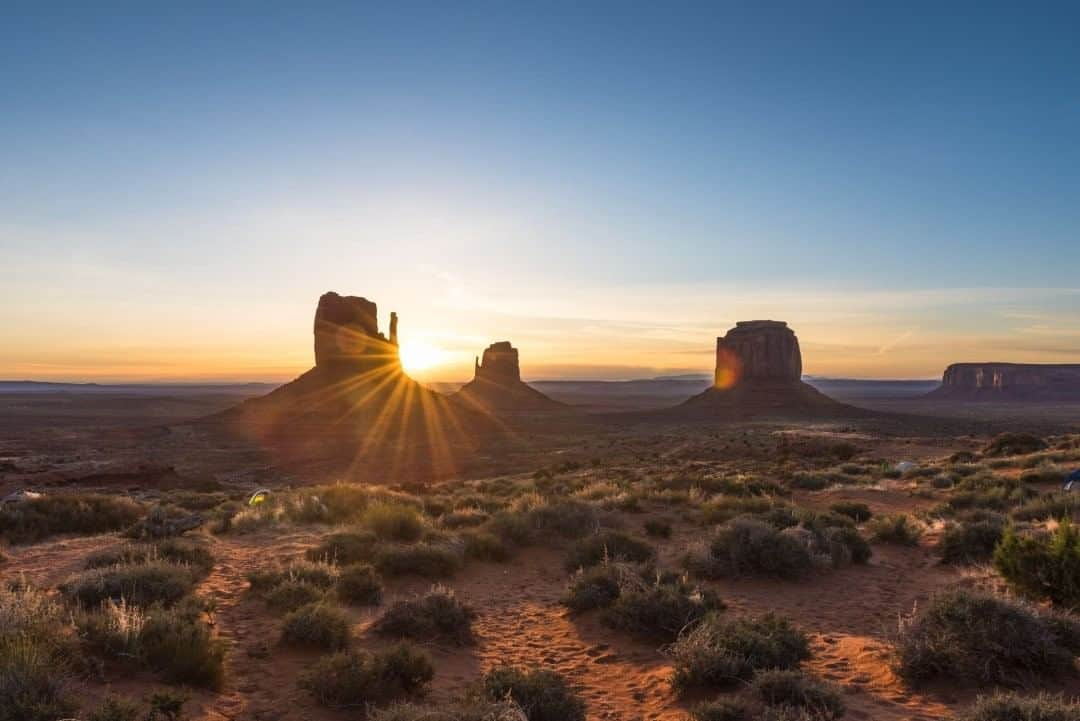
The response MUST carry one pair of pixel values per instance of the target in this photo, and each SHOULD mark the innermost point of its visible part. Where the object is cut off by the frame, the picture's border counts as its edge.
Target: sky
(610, 186)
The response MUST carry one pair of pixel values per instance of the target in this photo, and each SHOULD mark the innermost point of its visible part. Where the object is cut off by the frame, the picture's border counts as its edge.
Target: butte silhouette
(497, 387)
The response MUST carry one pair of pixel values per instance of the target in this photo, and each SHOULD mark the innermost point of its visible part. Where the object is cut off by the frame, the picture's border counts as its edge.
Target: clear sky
(608, 185)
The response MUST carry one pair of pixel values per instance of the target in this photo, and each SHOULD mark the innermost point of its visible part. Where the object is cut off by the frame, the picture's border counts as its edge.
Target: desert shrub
(1044, 473)
(972, 539)
(795, 689)
(359, 584)
(34, 519)
(1014, 707)
(720, 510)
(595, 587)
(719, 651)
(464, 518)
(1014, 444)
(34, 654)
(473, 709)
(659, 610)
(485, 546)
(858, 512)
(657, 528)
(437, 614)
(141, 584)
(746, 546)
(813, 481)
(345, 547)
(180, 551)
(720, 710)
(542, 695)
(421, 559)
(845, 545)
(393, 522)
(1043, 566)
(512, 527)
(608, 545)
(180, 647)
(356, 678)
(317, 624)
(316, 574)
(897, 528)
(1052, 505)
(978, 637)
(115, 708)
(565, 518)
(290, 595)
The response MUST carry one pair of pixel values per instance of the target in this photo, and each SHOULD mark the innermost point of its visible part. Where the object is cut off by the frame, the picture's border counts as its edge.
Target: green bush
(595, 587)
(794, 689)
(746, 546)
(978, 637)
(858, 512)
(436, 615)
(360, 584)
(357, 678)
(422, 559)
(394, 522)
(317, 624)
(973, 539)
(1014, 707)
(1043, 567)
(897, 528)
(542, 695)
(140, 584)
(660, 610)
(608, 546)
(34, 519)
(721, 652)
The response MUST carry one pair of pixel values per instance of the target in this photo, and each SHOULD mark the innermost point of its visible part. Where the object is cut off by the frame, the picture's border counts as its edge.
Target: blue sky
(608, 186)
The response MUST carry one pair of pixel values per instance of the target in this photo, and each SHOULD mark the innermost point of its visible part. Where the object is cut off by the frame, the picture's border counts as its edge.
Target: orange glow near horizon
(420, 356)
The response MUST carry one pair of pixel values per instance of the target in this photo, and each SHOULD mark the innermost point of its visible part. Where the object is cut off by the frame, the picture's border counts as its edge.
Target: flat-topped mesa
(499, 364)
(758, 350)
(1011, 381)
(347, 334)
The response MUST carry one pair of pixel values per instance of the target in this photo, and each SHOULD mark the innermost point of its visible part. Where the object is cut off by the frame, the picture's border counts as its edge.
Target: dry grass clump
(318, 625)
(719, 652)
(1015, 707)
(178, 551)
(359, 584)
(541, 695)
(358, 678)
(608, 545)
(1043, 566)
(38, 518)
(140, 584)
(313, 573)
(436, 615)
(394, 522)
(979, 637)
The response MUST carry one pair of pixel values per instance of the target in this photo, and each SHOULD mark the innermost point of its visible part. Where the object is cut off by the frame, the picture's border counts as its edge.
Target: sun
(418, 355)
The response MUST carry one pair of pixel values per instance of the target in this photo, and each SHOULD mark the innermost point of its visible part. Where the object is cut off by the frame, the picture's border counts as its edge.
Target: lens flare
(418, 356)
(728, 369)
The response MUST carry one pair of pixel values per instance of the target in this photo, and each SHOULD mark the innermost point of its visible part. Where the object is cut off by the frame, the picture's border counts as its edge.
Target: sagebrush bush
(720, 710)
(115, 708)
(1051, 505)
(657, 528)
(290, 595)
(474, 709)
(428, 560)
(35, 673)
(564, 518)
(1015, 707)
(179, 646)
(660, 610)
(795, 689)
(608, 545)
(719, 652)
(971, 539)
(596, 587)
(394, 522)
(485, 546)
(357, 678)
(978, 637)
(313, 573)
(898, 528)
(1043, 566)
(1014, 444)
(141, 584)
(721, 510)
(359, 584)
(317, 624)
(179, 551)
(746, 546)
(345, 547)
(436, 615)
(542, 695)
(34, 519)
(856, 511)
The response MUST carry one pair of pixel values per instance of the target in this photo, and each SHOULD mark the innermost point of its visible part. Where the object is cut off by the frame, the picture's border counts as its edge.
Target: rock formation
(497, 386)
(759, 371)
(358, 405)
(1010, 382)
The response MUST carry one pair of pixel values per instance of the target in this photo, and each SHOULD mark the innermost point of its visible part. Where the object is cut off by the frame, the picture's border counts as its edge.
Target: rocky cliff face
(347, 334)
(497, 384)
(499, 363)
(1010, 382)
(759, 372)
(758, 350)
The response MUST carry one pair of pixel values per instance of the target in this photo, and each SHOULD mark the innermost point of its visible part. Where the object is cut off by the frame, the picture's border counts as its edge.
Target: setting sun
(419, 356)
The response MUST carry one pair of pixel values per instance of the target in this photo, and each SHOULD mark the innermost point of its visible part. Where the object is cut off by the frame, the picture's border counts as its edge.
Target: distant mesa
(357, 403)
(759, 372)
(497, 386)
(1035, 382)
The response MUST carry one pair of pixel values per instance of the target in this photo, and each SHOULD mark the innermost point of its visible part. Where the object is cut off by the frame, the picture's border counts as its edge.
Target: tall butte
(497, 386)
(759, 372)
(357, 402)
